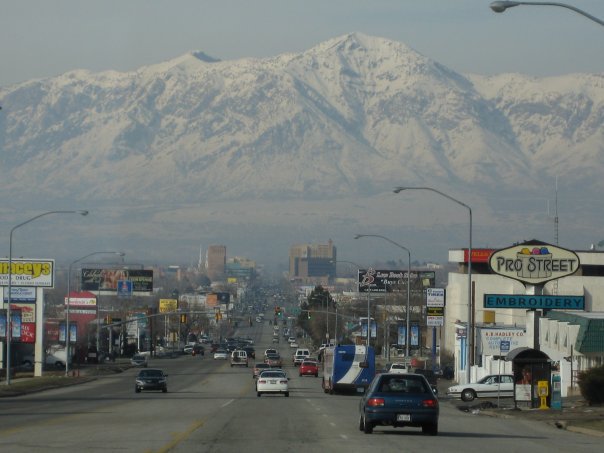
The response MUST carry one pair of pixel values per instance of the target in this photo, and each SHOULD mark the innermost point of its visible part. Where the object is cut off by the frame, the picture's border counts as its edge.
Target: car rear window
(403, 385)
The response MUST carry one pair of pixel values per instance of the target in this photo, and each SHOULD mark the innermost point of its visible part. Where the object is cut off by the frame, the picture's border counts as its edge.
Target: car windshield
(151, 373)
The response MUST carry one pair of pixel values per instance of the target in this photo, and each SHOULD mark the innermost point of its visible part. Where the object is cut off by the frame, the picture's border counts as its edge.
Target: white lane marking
(344, 436)
(332, 424)
(227, 403)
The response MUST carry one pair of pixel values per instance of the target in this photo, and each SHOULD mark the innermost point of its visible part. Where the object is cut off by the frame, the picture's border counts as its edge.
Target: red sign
(28, 332)
(478, 255)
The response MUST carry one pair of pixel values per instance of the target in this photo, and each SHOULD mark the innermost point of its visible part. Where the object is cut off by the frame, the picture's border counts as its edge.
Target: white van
(239, 357)
(300, 355)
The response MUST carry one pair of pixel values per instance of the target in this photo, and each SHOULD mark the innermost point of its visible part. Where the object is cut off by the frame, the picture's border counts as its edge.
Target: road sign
(504, 346)
(124, 288)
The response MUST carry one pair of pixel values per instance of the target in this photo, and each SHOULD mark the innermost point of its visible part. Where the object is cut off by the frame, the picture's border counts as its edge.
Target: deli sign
(534, 262)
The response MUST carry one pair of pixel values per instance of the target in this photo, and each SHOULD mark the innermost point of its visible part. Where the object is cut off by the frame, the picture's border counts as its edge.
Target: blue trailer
(347, 367)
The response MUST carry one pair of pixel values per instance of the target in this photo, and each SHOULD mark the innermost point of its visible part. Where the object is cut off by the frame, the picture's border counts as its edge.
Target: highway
(211, 407)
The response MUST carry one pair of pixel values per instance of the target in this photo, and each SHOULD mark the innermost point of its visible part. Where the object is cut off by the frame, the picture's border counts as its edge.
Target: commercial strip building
(562, 317)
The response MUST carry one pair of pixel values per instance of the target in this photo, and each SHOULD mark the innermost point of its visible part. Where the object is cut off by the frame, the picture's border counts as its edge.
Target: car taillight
(262, 381)
(430, 403)
(373, 402)
(283, 382)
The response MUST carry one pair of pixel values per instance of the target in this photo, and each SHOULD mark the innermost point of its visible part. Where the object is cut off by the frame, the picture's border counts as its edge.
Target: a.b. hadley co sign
(534, 262)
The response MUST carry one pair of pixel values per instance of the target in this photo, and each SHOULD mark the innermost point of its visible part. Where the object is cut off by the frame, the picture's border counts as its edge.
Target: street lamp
(469, 336)
(10, 277)
(358, 266)
(408, 283)
(122, 254)
(501, 6)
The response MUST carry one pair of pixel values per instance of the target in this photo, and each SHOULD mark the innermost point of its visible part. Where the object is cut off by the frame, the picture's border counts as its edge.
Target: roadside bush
(591, 384)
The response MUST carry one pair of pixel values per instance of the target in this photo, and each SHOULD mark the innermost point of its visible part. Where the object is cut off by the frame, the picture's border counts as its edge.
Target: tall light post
(358, 266)
(10, 277)
(501, 6)
(408, 283)
(122, 254)
(469, 335)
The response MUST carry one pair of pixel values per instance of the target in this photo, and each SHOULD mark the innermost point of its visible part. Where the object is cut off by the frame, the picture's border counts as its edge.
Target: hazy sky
(42, 38)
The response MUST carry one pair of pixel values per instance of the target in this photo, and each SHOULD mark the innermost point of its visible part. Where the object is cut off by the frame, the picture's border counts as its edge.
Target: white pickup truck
(399, 368)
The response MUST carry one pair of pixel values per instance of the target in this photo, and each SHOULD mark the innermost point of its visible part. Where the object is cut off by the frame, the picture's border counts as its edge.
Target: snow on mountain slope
(306, 143)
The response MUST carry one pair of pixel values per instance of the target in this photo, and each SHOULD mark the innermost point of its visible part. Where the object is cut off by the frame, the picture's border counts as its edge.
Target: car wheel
(137, 390)
(361, 425)
(287, 394)
(367, 426)
(165, 390)
(316, 375)
(258, 394)
(431, 429)
(468, 395)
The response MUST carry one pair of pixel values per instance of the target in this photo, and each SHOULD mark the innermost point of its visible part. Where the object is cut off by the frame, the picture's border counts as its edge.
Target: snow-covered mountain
(347, 119)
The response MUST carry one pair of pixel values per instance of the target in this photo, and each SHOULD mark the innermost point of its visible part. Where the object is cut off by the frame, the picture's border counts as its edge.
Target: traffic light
(309, 314)
(183, 318)
(218, 316)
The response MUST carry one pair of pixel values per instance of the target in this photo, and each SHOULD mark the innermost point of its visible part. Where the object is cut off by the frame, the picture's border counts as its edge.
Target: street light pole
(501, 6)
(122, 254)
(10, 277)
(407, 336)
(469, 335)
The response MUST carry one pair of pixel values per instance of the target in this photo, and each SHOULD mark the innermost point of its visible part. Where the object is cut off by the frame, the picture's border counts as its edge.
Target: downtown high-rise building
(216, 262)
(312, 263)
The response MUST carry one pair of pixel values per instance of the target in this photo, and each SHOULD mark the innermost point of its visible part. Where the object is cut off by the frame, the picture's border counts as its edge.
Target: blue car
(399, 400)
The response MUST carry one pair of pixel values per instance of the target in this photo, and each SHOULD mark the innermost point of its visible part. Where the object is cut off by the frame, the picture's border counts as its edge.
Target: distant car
(151, 379)
(294, 344)
(275, 339)
(490, 386)
(221, 354)
(239, 358)
(300, 355)
(291, 339)
(430, 375)
(251, 352)
(270, 351)
(139, 360)
(198, 349)
(274, 360)
(399, 368)
(309, 368)
(259, 368)
(399, 400)
(272, 381)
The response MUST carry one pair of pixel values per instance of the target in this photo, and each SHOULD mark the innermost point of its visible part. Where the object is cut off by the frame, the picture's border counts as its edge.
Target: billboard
(168, 305)
(490, 340)
(105, 281)
(534, 262)
(388, 281)
(26, 272)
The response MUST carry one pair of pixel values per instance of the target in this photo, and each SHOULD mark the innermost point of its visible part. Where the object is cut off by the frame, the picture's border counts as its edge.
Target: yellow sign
(168, 305)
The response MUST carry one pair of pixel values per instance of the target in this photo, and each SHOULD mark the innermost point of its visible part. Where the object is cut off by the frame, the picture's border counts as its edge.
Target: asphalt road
(211, 407)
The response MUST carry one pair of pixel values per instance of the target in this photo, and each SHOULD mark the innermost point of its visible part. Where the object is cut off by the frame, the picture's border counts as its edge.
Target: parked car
(490, 386)
(272, 381)
(198, 349)
(309, 368)
(399, 400)
(221, 354)
(151, 379)
(139, 360)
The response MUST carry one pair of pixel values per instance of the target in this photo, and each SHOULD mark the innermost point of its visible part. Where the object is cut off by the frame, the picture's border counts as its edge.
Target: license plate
(272, 381)
(403, 418)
